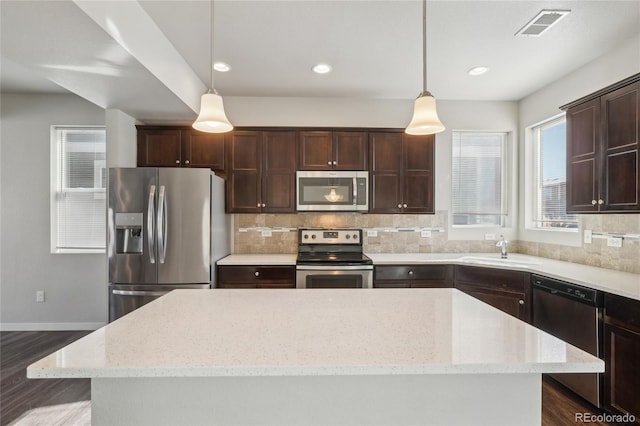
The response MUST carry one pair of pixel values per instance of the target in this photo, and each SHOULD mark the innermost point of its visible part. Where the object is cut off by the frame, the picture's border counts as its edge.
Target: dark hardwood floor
(19, 395)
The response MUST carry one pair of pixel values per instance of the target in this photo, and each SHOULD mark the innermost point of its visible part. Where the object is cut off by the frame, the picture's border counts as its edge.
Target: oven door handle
(334, 267)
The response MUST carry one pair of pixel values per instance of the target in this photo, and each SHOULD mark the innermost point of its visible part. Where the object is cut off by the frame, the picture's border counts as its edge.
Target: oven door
(321, 276)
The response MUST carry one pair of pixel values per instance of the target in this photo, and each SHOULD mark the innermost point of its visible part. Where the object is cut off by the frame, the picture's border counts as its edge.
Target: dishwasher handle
(574, 292)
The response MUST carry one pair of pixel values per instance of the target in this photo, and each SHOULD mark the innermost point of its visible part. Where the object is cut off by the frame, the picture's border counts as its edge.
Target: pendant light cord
(211, 38)
(424, 46)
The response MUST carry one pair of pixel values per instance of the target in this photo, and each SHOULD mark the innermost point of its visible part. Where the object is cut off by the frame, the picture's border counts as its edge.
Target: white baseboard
(50, 326)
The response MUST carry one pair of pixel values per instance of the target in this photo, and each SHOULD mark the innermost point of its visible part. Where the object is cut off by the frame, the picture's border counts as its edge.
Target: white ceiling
(149, 61)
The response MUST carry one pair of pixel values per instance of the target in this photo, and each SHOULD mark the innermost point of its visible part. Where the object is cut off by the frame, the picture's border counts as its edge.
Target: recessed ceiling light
(321, 68)
(221, 66)
(542, 22)
(478, 70)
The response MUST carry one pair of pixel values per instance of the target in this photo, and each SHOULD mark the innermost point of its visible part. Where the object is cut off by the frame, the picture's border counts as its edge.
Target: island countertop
(314, 332)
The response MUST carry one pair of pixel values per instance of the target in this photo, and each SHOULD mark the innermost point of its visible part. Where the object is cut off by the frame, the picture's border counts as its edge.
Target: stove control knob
(306, 236)
(355, 236)
(313, 237)
(348, 236)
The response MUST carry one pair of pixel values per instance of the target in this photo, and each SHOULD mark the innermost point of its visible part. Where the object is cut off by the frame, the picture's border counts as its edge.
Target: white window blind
(550, 151)
(78, 208)
(478, 196)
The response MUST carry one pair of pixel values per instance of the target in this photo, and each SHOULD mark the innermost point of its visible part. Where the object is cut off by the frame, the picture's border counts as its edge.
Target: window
(78, 182)
(550, 176)
(478, 178)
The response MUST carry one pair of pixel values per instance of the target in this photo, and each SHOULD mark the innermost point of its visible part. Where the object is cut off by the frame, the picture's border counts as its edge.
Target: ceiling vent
(544, 20)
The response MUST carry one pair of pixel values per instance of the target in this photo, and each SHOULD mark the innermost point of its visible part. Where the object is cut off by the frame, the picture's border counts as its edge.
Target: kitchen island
(423, 356)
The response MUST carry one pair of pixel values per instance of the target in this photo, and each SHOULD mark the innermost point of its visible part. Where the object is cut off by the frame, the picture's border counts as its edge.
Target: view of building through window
(551, 179)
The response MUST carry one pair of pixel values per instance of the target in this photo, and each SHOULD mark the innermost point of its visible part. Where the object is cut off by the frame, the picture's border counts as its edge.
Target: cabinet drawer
(411, 272)
(492, 278)
(622, 309)
(258, 274)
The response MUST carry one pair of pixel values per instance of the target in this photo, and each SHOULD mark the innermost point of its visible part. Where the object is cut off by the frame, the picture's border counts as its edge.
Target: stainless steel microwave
(335, 191)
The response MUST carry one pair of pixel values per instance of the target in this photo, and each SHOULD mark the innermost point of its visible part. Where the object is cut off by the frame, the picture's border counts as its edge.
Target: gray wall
(75, 284)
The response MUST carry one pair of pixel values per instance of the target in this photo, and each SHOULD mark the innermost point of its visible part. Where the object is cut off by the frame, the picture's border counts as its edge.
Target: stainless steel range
(332, 258)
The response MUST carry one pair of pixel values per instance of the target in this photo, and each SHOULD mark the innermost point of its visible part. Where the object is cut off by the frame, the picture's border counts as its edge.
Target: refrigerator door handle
(139, 293)
(151, 223)
(162, 224)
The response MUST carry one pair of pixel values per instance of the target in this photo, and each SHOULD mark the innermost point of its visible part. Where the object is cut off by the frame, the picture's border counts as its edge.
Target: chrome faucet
(503, 247)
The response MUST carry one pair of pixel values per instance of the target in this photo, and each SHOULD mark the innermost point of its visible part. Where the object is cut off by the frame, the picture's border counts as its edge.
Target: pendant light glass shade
(212, 118)
(425, 119)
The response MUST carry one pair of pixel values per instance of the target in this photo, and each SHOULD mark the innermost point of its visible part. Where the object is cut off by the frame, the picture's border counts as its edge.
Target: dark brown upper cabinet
(339, 150)
(401, 173)
(261, 168)
(167, 146)
(603, 148)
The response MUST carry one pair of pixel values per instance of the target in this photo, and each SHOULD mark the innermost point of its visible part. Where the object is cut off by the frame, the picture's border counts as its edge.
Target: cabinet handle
(521, 302)
(335, 163)
(328, 163)
(594, 202)
(258, 205)
(257, 274)
(264, 205)
(186, 162)
(410, 272)
(404, 205)
(399, 206)
(177, 161)
(600, 202)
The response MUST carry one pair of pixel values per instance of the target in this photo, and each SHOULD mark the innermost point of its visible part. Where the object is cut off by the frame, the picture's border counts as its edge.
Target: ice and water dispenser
(129, 234)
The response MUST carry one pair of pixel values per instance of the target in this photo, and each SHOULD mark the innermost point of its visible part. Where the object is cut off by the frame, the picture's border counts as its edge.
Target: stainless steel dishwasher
(574, 314)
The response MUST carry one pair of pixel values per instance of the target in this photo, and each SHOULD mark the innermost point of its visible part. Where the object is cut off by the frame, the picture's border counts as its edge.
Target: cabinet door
(418, 178)
(622, 371)
(279, 152)
(244, 169)
(583, 141)
(350, 151)
(620, 149)
(316, 150)
(385, 161)
(511, 303)
(203, 150)
(159, 147)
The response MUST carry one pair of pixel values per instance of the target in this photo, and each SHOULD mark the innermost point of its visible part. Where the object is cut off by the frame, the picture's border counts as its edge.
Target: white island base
(316, 357)
(441, 399)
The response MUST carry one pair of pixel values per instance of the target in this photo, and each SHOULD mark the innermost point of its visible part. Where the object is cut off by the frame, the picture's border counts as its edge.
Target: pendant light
(425, 119)
(212, 118)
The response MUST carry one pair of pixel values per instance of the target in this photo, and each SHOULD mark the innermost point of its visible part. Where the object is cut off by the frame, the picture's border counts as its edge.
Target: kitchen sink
(497, 261)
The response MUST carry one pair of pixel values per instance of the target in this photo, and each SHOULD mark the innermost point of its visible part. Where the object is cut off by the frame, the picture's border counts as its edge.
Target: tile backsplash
(282, 240)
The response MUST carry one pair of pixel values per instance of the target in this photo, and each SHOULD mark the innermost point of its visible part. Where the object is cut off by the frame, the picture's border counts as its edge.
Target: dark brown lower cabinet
(413, 276)
(509, 291)
(231, 276)
(622, 355)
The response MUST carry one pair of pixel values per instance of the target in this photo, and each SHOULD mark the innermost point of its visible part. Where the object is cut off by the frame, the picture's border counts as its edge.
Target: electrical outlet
(490, 237)
(614, 242)
(425, 233)
(588, 236)
(372, 233)
(266, 233)
(40, 296)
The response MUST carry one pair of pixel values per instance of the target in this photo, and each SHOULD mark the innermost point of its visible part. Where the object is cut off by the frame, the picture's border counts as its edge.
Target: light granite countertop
(616, 282)
(196, 333)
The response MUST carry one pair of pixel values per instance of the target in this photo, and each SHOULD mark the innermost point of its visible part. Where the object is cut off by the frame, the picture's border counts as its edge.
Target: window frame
(55, 191)
(533, 195)
(505, 185)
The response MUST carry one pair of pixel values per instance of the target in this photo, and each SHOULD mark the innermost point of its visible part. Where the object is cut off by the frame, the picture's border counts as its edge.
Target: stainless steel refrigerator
(166, 229)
